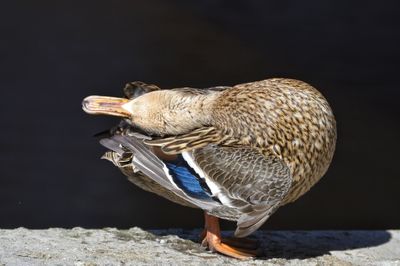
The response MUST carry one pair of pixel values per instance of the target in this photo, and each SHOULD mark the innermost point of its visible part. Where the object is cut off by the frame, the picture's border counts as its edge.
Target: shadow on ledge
(298, 244)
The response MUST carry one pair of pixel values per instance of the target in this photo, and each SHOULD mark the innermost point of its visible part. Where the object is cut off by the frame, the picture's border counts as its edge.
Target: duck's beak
(104, 105)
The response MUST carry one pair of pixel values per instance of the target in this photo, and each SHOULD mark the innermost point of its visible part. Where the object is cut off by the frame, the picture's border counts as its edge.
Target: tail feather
(113, 145)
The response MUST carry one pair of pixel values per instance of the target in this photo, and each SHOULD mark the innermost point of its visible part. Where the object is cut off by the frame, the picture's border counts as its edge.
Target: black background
(54, 53)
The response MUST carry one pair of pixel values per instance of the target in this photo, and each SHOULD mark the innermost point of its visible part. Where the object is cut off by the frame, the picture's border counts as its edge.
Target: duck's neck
(190, 111)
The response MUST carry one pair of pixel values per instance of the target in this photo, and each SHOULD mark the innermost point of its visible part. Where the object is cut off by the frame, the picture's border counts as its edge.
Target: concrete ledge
(135, 246)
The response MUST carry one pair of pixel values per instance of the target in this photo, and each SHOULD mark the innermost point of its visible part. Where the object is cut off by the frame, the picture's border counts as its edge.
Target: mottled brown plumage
(287, 117)
(298, 126)
(256, 146)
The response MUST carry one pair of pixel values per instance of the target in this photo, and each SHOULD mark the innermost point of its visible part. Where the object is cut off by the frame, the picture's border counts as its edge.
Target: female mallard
(238, 153)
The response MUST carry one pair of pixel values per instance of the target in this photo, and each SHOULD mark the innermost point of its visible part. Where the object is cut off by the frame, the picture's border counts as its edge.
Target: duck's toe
(216, 244)
(245, 243)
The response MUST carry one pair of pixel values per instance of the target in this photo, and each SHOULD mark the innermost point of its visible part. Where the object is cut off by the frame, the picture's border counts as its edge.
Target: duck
(236, 152)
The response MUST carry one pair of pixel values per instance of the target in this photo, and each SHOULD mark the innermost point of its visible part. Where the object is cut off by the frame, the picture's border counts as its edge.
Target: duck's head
(159, 112)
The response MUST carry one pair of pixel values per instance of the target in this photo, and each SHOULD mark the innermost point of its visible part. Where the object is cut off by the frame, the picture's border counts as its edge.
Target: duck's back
(288, 117)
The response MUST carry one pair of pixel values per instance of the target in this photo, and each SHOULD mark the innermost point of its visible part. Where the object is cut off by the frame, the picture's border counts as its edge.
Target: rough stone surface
(110, 246)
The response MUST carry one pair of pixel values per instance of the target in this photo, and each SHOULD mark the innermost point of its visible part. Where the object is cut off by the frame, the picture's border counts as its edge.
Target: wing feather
(151, 166)
(251, 182)
(194, 140)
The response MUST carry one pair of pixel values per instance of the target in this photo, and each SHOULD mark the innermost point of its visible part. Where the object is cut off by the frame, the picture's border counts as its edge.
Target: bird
(236, 152)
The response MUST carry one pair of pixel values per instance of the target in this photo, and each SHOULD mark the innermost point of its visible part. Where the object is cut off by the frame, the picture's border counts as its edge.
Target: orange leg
(212, 239)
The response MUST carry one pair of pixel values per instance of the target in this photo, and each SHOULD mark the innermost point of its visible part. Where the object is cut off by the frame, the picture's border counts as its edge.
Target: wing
(151, 166)
(244, 179)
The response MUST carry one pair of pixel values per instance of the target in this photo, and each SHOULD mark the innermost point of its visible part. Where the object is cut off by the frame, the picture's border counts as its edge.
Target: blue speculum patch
(186, 179)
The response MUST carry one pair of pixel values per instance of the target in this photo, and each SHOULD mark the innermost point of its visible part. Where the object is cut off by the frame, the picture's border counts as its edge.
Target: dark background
(54, 53)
